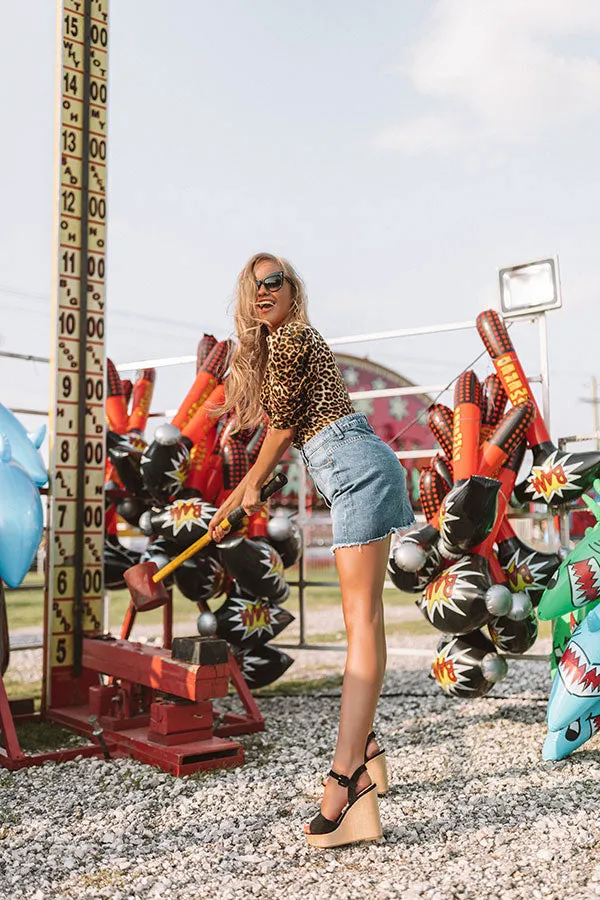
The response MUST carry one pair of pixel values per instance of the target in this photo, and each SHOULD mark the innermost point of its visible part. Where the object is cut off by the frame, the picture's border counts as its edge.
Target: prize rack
(135, 700)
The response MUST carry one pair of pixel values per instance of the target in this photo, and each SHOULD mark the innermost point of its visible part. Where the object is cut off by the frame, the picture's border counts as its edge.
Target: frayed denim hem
(399, 530)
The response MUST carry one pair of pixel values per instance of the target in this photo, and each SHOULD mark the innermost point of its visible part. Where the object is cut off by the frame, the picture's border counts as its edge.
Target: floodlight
(530, 287)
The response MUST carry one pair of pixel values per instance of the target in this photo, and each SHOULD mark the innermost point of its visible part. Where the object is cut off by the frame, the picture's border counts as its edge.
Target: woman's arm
(247, 493)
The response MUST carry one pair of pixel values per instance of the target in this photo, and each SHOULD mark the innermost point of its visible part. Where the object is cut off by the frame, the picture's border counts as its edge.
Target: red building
(399, 421)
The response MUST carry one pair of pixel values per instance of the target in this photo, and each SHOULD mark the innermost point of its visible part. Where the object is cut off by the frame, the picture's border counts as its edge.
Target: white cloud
(501, 70)
(424, 133)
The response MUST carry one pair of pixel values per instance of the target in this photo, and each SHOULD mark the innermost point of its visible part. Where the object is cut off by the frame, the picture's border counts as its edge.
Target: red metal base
(177, 759)
(234, 723)
(38, 759)
(11, 755)
(181, 732)
(230, 724)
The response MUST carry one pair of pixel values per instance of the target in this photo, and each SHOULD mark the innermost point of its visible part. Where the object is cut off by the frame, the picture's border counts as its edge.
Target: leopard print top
(302, 387)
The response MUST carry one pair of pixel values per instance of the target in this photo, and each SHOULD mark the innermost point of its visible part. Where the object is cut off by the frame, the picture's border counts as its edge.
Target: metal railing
(563, 515)
(303, 582)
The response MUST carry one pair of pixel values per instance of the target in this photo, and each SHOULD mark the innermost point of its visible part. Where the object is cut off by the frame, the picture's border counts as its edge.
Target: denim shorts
(360, 479)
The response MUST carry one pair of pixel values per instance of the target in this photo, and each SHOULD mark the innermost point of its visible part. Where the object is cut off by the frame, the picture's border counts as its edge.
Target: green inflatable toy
(562, 629)
(576, 582)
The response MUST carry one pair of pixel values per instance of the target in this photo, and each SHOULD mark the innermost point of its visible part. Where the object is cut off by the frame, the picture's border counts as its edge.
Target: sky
(398, 153)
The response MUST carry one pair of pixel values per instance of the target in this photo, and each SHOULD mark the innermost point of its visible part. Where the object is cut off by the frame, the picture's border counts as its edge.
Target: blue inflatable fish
(576, 687)
(24, 446)
(21, 518)
(559, 744)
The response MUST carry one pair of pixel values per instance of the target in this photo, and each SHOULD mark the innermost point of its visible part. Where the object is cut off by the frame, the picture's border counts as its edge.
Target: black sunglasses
(273, 282)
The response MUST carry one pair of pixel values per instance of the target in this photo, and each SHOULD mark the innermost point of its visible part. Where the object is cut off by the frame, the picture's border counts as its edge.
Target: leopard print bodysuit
(302, 386)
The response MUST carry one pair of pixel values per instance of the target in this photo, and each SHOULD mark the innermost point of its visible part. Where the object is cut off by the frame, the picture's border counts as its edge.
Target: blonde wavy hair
(249, 357)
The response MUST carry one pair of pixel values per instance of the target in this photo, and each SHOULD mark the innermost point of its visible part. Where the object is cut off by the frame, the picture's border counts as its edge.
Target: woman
(283, 366)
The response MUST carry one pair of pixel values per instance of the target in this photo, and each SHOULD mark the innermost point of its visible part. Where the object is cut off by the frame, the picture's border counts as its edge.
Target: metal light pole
(595, 409)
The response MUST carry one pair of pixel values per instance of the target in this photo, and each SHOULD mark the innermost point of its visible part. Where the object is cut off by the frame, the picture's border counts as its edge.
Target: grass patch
(131, 779)
(8, 816)
(259, 750)
(26, 607)
(408, 628)
(100, 878)
(301, 686)
(22, 690)
(39, 736)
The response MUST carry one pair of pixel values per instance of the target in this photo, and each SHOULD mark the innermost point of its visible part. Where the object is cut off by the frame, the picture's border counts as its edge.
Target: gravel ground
(473, 811)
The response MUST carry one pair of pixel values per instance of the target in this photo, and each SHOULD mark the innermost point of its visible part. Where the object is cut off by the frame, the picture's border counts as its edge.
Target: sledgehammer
(145, 580)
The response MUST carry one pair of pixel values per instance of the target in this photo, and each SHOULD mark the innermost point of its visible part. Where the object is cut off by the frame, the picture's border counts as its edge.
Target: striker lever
(145, 579)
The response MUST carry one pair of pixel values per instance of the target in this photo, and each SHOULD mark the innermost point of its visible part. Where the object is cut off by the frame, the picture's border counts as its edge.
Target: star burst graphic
(251, 617)
(272, 563)
(451, 674)
(182, 467)
(450, 588)
(523, 572)
(553, 478)
(250, 663)
(445, 516)
(186, 513)
(498, 633)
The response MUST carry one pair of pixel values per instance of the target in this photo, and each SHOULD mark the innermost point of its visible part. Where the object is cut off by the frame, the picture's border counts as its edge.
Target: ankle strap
(341, 779)
(349, 783)
(370, 737)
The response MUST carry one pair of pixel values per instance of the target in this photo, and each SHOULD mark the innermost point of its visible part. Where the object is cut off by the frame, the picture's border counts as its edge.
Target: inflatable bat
(467, 666)
(165, 464)
(116, 404)
(116, 560)
(181, 523)
(556, 475)
(201, 577)
(141, 399)
(125, 452)
(207, 379)
(525, 569)
(247, 622)
(514, 635)
(286, 538)
(255, 566)
(263, 666)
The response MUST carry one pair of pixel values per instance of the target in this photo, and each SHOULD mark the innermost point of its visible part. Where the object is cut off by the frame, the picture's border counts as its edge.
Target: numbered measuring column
(76, 532)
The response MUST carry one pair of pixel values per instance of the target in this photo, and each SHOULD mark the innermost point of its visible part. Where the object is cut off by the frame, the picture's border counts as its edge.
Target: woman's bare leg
(362, 574)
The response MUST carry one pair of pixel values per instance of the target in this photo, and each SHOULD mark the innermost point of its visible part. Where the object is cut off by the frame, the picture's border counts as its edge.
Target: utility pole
(595, 409)
(595, 401)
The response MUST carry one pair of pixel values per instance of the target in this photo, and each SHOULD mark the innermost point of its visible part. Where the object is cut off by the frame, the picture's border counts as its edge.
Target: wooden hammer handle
(233, 520)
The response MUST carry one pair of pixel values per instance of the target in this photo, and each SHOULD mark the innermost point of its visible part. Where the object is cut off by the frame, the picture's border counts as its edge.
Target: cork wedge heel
(358, 821)
(377, 768)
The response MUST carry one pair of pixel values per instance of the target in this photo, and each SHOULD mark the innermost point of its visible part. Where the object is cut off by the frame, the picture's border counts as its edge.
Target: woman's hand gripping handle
(227, 519)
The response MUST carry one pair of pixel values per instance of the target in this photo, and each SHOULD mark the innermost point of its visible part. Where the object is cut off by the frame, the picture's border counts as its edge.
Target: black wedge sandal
(358, 821)
(377, 767)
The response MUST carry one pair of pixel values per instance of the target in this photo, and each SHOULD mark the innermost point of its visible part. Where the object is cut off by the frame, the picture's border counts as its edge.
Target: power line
(419, 415)
(126, 314)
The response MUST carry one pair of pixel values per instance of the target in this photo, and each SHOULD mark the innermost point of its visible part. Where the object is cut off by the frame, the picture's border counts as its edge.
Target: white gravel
(473, 811)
